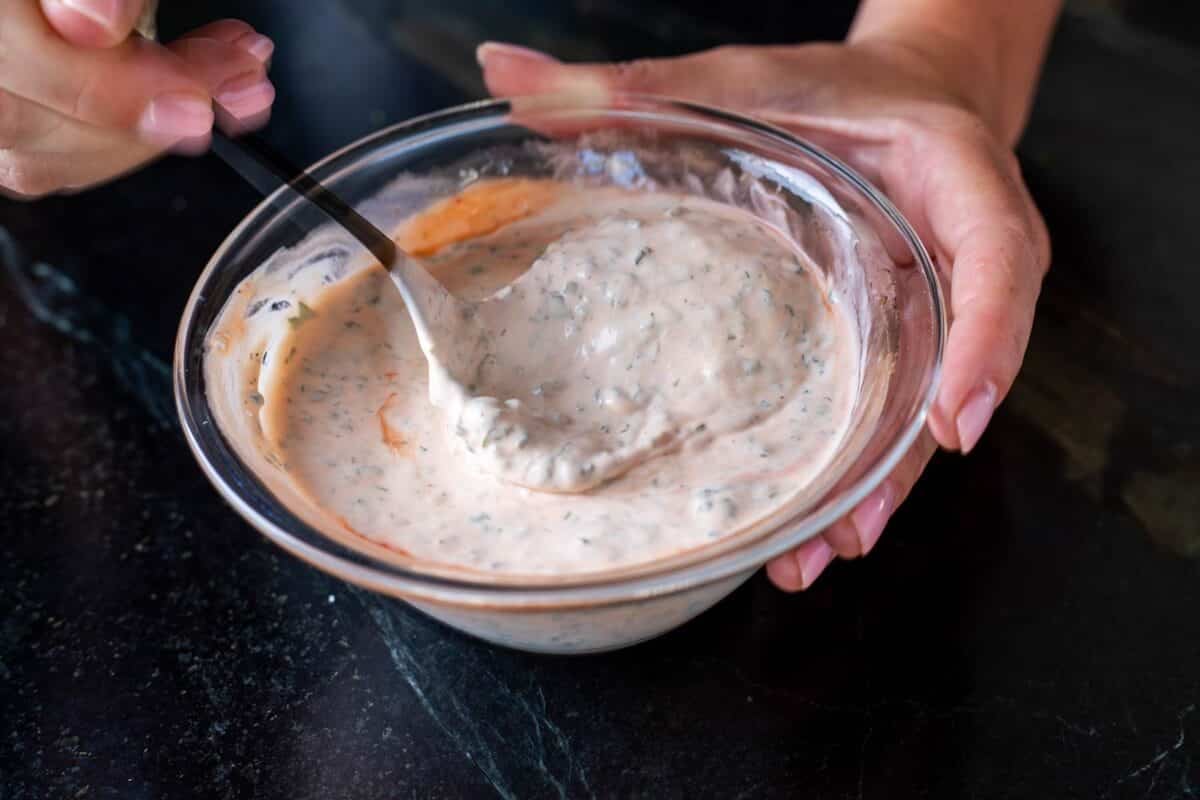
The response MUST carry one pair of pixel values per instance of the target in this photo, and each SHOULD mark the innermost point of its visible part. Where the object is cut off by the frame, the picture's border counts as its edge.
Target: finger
(244, 100)
(22, 122)
(965, 196)
(136, 86)
(979, 214)
(238, 33)
(800, 89)
(738, 78)
(799, 568)
(856, 534)
(236, 77)
(795, 88)
(28, 176)
(43, 151)
(808, 80)
(709, 76)
(718, 77)
(93, 23)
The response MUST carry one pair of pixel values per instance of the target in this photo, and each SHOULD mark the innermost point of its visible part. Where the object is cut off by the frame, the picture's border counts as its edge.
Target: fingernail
(257, 45)
(872, 515)
(974, 415)
(174, 116)
(815, 563)
(105, 13)
(245, 94)
(489, 50)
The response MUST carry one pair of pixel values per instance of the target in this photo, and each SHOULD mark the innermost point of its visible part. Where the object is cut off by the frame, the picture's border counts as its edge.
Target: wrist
(986, 53)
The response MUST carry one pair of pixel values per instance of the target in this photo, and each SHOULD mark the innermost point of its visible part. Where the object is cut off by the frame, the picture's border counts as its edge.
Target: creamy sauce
(643, 323)
(664, 369)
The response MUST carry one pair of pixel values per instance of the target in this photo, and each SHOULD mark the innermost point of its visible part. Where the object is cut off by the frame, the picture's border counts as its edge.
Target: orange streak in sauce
(479, 209)
(394, 441)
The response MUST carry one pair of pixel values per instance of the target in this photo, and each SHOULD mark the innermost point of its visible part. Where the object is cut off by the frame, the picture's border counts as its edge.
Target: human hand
(83, 99)
(897, 116)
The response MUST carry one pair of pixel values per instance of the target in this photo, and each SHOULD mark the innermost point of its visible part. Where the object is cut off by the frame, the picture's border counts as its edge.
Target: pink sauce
(667, 369)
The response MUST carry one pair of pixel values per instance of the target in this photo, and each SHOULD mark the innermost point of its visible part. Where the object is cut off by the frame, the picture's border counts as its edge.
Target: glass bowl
(871, 257)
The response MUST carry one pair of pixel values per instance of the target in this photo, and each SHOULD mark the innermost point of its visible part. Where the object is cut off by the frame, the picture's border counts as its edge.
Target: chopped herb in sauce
(303, 315)
(698, 357)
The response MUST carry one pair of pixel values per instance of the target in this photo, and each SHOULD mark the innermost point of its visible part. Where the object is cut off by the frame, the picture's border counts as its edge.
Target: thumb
(509, 70)
(93, 23)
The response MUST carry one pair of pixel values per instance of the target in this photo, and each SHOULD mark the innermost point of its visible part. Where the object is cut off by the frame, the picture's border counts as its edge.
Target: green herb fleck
(303, 315)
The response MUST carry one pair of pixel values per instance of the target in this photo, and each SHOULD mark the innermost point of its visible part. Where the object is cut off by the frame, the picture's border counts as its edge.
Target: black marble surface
(1029, 627)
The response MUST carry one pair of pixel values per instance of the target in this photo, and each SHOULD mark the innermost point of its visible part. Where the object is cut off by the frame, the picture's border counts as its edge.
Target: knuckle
(636, 74)
(1029, 234)
(910, 137)
(964, 124)
(843, 538)
(735, 56)
(972, 127)
(1009, 269)
(757, 68)
(941, 123)
(1025, 223)
(233, 27)
(82, 100)
(223, 30)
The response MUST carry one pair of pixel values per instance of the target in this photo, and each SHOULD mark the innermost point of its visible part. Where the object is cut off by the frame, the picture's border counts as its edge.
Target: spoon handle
(249, 154)
(263, 167)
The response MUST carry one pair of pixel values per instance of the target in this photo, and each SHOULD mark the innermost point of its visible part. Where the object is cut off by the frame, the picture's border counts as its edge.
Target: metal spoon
(499, 434)
(446, 328)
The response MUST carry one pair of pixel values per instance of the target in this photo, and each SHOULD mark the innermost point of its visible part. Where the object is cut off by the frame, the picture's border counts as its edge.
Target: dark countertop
(1029, 627)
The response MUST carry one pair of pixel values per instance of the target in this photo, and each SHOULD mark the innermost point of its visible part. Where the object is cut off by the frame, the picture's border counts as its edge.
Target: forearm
(989, 52)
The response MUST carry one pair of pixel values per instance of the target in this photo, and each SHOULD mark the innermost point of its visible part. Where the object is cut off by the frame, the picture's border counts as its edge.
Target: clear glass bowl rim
(386, 578)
